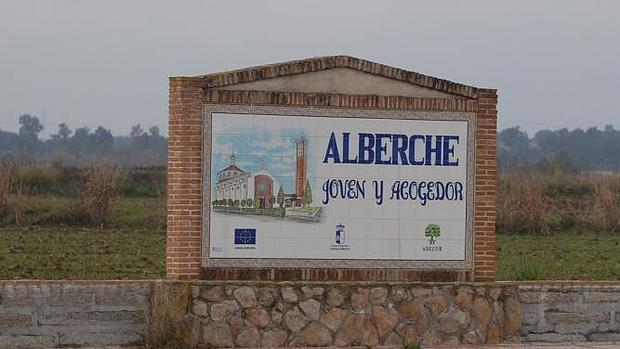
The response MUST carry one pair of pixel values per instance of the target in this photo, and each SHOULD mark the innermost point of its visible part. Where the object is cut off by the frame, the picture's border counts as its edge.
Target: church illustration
(260, 189)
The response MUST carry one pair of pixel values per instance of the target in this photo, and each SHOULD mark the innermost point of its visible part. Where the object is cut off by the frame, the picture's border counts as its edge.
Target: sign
(313, 187)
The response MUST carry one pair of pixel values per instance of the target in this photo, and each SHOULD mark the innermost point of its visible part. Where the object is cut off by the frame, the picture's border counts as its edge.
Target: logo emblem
(432, 232)
(245, 238)
(339, 238)
(339, 242)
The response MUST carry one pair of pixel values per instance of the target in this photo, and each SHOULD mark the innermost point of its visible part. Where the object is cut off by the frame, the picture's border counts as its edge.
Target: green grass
(138, 212)
(55, 211)
(57, 253)
(568, 256)
(132, 247)
(73, 253)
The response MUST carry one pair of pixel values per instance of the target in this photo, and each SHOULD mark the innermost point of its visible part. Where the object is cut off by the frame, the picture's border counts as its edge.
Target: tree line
(560, 150)
(550, 150)
(83, 146)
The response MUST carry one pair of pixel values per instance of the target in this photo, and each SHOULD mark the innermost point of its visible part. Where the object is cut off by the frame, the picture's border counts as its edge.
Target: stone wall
(227, 314)
(216, 314)
(72, 313)
(570, 311)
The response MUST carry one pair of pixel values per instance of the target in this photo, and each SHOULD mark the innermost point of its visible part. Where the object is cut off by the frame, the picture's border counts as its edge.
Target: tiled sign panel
(306, 187)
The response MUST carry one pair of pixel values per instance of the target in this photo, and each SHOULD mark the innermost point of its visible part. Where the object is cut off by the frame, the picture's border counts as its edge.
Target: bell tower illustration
(301, 174)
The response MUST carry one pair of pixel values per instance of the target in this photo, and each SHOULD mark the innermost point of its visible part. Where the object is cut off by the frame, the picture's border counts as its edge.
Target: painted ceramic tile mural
(312, 187)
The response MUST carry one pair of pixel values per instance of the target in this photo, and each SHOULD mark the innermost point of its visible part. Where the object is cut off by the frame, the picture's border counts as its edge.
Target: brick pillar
(485, 186)
(185, 123)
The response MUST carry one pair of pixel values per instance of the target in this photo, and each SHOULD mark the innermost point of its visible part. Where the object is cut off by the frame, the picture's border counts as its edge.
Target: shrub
(607, 203)
(522, 204)
(100, 185)
(145, 182)
(7, 169)
(39, 179)
(12, 191)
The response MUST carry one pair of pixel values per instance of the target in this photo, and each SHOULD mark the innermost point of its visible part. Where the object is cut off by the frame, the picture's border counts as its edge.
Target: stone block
(470, 337)
(378, 295)
(393, 340)
(14, 320)
(360, 299)
(421, 292)
(483, 313)
(223, 310)
(246, 296)
(213, 293)
(601, 297)
(295, 320)
(312, 292)
(531, 318)
(512, 316)
(273, 339)
(605, 337)
(236, 323)
(333, 318)
(437, 304)
(454, 321)
(312, 309)
(385, 319)
(495, 293)
(398, 294)
(289, 295)
(464, 298)
(557, 317)
(313, 335)
(335, 297)
(266, 296)
(554, 337)
(91, 318)
(248, 338)
(81, 338)
(548, 297)
(121, 296)
(407, 332)
(532, 297)
(259, 317)
(199, 307)
(28, 341)
(219, 335)
(494, 335)
(356, 330)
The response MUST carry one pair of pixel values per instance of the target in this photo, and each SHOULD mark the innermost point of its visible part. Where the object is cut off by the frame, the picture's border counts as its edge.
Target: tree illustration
(307, 199)
(281, 197)
(432, 231)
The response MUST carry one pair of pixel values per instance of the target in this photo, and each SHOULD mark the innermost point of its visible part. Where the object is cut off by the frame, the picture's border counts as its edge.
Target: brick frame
(188, 97)
(184, 202)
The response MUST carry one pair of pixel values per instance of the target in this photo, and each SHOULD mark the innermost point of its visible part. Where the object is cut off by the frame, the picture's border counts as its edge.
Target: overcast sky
(88, 63)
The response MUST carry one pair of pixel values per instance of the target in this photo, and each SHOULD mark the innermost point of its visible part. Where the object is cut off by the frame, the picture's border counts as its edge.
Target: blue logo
(245, 236)
(340, 241)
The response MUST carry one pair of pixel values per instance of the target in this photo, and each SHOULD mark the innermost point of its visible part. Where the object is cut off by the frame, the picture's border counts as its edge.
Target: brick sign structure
(330, 168)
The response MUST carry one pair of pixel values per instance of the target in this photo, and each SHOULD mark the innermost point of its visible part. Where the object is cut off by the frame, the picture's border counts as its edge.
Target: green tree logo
(432, 231)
